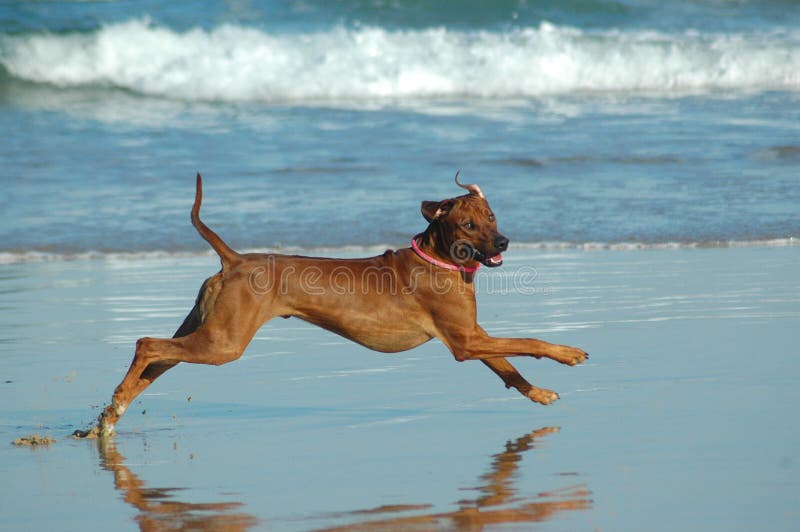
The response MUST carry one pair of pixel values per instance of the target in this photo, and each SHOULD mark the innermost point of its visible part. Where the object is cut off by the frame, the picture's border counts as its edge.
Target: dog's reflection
(498, 501)
(158, 509)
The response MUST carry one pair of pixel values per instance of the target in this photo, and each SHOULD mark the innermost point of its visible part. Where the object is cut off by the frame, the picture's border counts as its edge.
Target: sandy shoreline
(681, 418)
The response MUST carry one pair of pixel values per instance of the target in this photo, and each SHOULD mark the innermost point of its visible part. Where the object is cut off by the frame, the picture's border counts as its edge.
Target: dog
(388, 303)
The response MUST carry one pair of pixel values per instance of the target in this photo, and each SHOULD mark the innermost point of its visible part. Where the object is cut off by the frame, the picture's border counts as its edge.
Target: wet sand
(685, 416)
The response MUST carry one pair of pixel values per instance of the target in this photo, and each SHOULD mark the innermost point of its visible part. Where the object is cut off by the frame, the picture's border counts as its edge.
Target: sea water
(323, 124)
(319, 126)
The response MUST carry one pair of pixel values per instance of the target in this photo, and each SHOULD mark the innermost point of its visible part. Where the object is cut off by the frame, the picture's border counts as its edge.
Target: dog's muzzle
(494, 258)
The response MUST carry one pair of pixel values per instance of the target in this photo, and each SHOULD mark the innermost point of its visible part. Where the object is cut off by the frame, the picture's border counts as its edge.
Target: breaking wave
(34, 256)
(234, 63)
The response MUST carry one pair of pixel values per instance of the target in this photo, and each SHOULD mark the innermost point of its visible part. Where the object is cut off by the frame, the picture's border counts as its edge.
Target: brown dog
(389, 303)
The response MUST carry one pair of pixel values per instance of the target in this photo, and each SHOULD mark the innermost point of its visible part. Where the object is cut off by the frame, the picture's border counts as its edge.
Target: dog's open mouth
(494, 261)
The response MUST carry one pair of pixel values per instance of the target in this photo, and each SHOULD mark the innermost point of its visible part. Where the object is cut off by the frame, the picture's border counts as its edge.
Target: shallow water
(653, 129)
(315, 123)
(682, 418)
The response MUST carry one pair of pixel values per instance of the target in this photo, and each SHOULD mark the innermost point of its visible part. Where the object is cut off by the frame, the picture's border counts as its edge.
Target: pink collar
(436, 262)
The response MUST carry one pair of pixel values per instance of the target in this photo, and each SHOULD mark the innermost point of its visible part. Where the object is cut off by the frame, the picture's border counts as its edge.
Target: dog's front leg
(513, 379)
(476, 344)
(473, 343)
(490, 346)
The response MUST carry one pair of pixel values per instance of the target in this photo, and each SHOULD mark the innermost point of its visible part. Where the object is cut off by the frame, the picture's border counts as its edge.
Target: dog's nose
(501, 243)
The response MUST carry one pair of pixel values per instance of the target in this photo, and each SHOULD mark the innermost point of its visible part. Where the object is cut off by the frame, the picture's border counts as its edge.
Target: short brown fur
(389, 303)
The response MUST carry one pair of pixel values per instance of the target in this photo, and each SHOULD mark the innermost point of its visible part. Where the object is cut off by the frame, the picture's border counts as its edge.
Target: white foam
(18, 257)
(234, 63)
(632, 246)
(23, 256)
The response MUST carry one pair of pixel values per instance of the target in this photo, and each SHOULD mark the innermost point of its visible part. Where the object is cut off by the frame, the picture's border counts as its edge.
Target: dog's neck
(431, 247)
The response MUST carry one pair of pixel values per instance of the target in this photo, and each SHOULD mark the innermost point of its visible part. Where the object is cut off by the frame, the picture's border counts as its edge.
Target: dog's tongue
(497, 259)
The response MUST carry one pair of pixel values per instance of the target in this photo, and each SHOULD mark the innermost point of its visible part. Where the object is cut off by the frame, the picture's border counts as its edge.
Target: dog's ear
(433, 210)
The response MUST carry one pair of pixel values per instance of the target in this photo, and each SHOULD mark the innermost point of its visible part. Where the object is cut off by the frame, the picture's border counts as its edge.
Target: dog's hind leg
(140, 378)
(154, 356)
(223, 333)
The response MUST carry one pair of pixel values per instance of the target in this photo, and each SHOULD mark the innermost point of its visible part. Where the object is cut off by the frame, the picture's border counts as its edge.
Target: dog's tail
(226, 254)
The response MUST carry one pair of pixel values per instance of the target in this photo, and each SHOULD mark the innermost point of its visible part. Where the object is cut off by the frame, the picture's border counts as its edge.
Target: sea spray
(236, 63)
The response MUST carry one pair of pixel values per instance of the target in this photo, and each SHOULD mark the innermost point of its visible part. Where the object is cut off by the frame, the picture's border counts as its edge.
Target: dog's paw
(542, 396)
(572, 356)
(579, 357)
(89, 434)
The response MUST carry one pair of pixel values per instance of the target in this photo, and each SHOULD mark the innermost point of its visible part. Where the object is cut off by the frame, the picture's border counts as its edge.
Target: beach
(642, 158)
(682, 418)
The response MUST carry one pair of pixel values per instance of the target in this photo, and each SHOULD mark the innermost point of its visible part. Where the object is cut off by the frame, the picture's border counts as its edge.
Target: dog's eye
(491, 217)
(469, 226)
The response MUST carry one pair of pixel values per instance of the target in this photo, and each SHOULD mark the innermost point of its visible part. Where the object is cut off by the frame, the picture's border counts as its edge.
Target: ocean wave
(34, 256)
(235, 63)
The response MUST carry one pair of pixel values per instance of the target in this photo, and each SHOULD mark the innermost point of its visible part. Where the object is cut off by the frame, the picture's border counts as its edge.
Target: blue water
(324, 124)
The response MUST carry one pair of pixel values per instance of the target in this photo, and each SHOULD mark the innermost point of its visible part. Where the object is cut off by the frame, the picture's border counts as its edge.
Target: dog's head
(468, 227)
